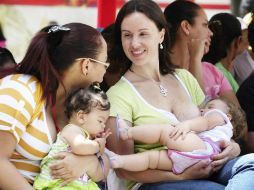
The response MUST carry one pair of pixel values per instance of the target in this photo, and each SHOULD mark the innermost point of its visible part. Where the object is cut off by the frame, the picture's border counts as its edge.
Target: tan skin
(139, 34)
(192, 42)
(70, 167)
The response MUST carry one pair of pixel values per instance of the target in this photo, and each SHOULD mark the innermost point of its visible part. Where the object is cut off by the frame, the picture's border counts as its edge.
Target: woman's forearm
(79, 165)
(148, 176)
(10, 178)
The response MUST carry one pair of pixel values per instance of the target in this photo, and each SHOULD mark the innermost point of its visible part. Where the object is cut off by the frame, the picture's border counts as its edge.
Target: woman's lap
(236, 174)
(242, 173)
(184, 185)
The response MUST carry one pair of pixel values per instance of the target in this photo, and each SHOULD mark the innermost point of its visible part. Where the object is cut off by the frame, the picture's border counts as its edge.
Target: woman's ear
(85, 66)
(162, 34)
(185, 26)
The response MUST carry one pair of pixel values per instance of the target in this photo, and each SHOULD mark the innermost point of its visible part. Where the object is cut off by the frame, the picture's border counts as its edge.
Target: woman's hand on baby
(65, 168)
(199, 170)
(229, 152)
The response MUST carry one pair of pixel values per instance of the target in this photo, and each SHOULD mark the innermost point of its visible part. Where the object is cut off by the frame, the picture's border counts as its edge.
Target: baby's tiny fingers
(179, 133)
(108, 134)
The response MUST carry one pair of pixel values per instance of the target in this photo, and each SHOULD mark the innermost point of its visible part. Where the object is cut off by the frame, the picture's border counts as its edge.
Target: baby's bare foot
(115, 159)
(123, 129)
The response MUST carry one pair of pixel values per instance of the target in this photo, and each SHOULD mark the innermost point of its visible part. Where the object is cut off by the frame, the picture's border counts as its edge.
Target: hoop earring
(161, 46)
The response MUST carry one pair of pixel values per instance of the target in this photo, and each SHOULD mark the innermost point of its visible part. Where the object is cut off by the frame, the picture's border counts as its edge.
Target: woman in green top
(224, 44)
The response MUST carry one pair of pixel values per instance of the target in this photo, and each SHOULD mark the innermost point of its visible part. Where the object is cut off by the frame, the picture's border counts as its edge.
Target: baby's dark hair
(86, 99)
(238, 119)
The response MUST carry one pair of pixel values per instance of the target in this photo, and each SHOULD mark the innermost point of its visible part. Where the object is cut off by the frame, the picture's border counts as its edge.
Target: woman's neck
(180, 55)
(147, 72)
(68, 83)
(227, 62)
(61, 95)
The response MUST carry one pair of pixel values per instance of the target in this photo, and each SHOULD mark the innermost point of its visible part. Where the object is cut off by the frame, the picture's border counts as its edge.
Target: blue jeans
(236, 174)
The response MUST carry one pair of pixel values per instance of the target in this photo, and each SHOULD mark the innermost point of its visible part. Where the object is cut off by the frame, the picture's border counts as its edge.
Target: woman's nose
(135, 42)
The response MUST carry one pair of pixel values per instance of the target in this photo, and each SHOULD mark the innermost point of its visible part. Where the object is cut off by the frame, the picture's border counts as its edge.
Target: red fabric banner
(106, 12)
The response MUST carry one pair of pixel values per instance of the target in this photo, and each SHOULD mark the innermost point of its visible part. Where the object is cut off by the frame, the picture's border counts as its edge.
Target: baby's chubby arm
(198, 124)
(79, 144)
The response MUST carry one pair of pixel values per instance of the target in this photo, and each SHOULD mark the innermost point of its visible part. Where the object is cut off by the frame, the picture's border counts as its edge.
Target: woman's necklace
(163, 90)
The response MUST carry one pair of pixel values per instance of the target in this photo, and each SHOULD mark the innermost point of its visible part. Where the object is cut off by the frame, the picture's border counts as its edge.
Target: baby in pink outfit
(184, 146)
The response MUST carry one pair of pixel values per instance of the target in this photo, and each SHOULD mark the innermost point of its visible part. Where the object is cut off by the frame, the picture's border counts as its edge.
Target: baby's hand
(101, 139)
(102, 143)
(104, 134)
(181, 129)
